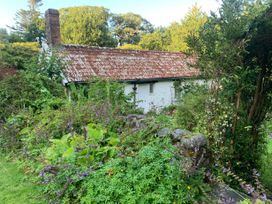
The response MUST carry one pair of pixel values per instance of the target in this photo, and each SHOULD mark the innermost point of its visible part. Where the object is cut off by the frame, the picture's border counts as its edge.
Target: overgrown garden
(82, 144)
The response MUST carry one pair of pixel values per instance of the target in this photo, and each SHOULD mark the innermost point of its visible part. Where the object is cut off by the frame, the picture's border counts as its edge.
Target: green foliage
(4, 36)
(86, 25)
(152, 176)
(51, 116)
(72, 154)
(83, 150)
(191, 107)
(17, 56)
(29, 23)
(164, 120)
(216, 124)
(128, 27)
(26, 90)
(111, 92)
(29, 132)
(189, 26)
(50, 65)
(34, 46)
(234, 52)
(157, 40)
(266, 174)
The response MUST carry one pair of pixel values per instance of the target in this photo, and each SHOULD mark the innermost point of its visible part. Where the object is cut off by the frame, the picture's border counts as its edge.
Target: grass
(15, 186)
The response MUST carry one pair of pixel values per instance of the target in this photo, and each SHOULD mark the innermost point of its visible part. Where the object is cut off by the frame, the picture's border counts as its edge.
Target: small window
(151, 88)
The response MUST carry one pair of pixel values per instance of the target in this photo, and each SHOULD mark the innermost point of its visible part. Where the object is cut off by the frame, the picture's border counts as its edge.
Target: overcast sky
(158, 12)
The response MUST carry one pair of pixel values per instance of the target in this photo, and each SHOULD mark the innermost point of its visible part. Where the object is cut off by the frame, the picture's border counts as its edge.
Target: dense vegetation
(78, 143)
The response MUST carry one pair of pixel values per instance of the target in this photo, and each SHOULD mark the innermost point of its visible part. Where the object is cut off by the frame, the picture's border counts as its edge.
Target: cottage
(149, 74)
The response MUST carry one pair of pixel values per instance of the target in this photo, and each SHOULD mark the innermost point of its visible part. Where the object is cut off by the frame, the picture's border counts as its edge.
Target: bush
(191, 108)
(266, 173)
(96, 145)
(27, 45)
(51, 65)
(152, 176)
(70, 158)
(26, 90)
(100, 90)
(39, 114)
(18, 56)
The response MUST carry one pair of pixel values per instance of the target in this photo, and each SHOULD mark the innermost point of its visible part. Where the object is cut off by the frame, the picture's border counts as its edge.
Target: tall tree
(29, 23)
(158, 40)
(127, 28)
(87, 25)
(189, 26)
(4, 36)
(234, 49)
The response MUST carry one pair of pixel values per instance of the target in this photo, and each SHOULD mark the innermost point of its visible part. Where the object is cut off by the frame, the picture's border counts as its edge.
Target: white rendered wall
(163, 94)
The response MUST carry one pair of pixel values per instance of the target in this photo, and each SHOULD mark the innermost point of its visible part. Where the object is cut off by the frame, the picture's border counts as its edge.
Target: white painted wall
(163, 94)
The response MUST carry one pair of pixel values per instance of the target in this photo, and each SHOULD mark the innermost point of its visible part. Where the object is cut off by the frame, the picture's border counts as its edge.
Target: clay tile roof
(120, 64)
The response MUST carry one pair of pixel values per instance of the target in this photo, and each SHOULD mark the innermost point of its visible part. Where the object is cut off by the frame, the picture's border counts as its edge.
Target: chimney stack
(52, 27)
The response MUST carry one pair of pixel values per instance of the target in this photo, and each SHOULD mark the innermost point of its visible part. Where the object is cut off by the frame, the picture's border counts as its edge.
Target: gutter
(142, 81)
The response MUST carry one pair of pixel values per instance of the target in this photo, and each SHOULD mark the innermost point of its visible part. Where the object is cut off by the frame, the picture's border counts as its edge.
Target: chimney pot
(52, 27)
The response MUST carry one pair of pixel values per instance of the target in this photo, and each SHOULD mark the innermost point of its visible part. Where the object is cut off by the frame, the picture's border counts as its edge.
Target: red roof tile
(120, 64)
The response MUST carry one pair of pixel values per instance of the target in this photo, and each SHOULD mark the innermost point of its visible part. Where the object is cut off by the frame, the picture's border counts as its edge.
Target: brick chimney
(52, 27)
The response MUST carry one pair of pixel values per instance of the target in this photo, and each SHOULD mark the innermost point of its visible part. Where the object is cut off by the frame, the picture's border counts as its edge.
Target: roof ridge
(120, 50)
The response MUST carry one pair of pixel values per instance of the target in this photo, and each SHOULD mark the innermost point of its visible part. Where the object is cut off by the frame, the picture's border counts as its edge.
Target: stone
(135, 121)
(177, 134)
(194, 142)
(223, 194)
(194, 147)
(164, 132)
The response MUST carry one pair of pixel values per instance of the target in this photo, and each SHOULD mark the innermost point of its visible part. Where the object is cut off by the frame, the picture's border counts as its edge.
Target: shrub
(51, 65)
(96, 145)
(52, 117)
(26, 90)
(100, 90)
(191, 108)
(34, 130)
(27, 45)
(266, 173)
(18, 56)
(72, 156)
(152, 176)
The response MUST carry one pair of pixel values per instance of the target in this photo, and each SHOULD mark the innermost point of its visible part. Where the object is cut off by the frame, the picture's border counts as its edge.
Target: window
(151, 88)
